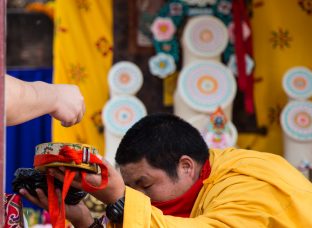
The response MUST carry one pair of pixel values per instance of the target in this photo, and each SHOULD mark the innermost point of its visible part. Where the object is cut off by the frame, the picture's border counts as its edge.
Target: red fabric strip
(239, 44)
(242, 48)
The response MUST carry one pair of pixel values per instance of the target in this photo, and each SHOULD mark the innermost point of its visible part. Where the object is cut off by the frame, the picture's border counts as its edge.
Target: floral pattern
(83, 4)
(306, 5)
(59, 28)
(163, 29)
(97, 121)
(225, 7)
(274, 114)
(280, 38)
(162, 65)
(103, 46)
(77, 73)
(176, 11)
(168, 47)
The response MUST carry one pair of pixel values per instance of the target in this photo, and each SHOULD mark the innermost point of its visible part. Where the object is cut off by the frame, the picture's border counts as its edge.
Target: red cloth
(67, 154)
(13, 216)
(182, 206)
(242, 48)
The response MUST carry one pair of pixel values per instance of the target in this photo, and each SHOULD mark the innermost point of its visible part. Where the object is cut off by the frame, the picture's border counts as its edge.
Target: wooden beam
(2, 122)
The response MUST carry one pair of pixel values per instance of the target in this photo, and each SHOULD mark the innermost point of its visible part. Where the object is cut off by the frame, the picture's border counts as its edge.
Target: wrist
(46, 94)
(118, 195)
(110, 195)
(84, 222)
(115, 211)
(84, 219)
(97, 223)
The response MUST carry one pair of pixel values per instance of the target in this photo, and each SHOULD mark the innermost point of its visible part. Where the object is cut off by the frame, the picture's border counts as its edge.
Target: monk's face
(155, 182)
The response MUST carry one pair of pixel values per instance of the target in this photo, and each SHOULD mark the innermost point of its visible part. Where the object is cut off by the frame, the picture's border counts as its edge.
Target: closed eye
(147, 186)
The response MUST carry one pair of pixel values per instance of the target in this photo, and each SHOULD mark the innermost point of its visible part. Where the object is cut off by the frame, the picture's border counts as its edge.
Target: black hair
(162, 139)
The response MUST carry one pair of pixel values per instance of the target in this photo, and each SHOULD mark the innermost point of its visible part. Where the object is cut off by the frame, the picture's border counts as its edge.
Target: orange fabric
(57, 212)
(67, 154)
(83, 55)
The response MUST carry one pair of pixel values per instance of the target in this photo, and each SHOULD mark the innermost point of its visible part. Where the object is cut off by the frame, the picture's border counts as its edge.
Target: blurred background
(79, 41)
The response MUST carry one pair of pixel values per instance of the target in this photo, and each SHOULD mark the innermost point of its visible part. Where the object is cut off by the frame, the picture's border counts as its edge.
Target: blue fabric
(22, 139)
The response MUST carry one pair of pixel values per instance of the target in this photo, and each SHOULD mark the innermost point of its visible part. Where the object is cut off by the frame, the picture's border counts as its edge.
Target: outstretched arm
(28, 100)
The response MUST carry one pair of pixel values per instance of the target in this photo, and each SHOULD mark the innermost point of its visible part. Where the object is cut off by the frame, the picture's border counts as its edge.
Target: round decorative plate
(125, 78)
(205, 36)
(297, 83)
(206, 85)
(121, 112)
(296, 120)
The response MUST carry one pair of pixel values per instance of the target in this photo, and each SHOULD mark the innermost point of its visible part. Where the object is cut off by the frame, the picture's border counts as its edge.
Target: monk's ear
(187, 166)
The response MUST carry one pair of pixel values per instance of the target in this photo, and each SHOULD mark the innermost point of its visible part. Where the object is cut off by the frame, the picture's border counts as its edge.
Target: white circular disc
(205, 36)
(297, 83)
(121, 112)
(296, 120)
(125, 78)
(206, 85)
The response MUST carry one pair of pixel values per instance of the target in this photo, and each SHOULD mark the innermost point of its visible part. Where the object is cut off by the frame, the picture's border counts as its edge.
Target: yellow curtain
(282, 35)
(82, 56)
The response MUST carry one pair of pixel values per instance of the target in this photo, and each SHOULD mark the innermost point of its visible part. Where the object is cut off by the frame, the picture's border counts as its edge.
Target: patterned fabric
(280, 42)
(13, 216)
(83, 56)
(179, 11)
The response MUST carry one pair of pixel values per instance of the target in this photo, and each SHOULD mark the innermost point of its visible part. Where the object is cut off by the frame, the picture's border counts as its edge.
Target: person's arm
(28, 100)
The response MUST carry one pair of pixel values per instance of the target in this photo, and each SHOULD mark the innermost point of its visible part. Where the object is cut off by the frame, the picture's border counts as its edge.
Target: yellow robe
(245, 189)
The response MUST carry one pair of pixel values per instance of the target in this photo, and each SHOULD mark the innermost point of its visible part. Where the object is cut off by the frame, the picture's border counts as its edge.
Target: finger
(42, 198)
(110, 168)
(67, 124)
(30, 198)
(62, 169)
(107, 163)
(79, 118)
(83, 111)
(77, 181)
(58, 174)
(59, 196)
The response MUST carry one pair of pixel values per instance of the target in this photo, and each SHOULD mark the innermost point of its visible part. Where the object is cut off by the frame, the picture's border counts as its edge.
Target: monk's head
(161, 155)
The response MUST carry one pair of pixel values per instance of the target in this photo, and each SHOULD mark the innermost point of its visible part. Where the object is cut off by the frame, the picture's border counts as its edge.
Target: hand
(114, 190)
(69, 105)
(79, 215)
